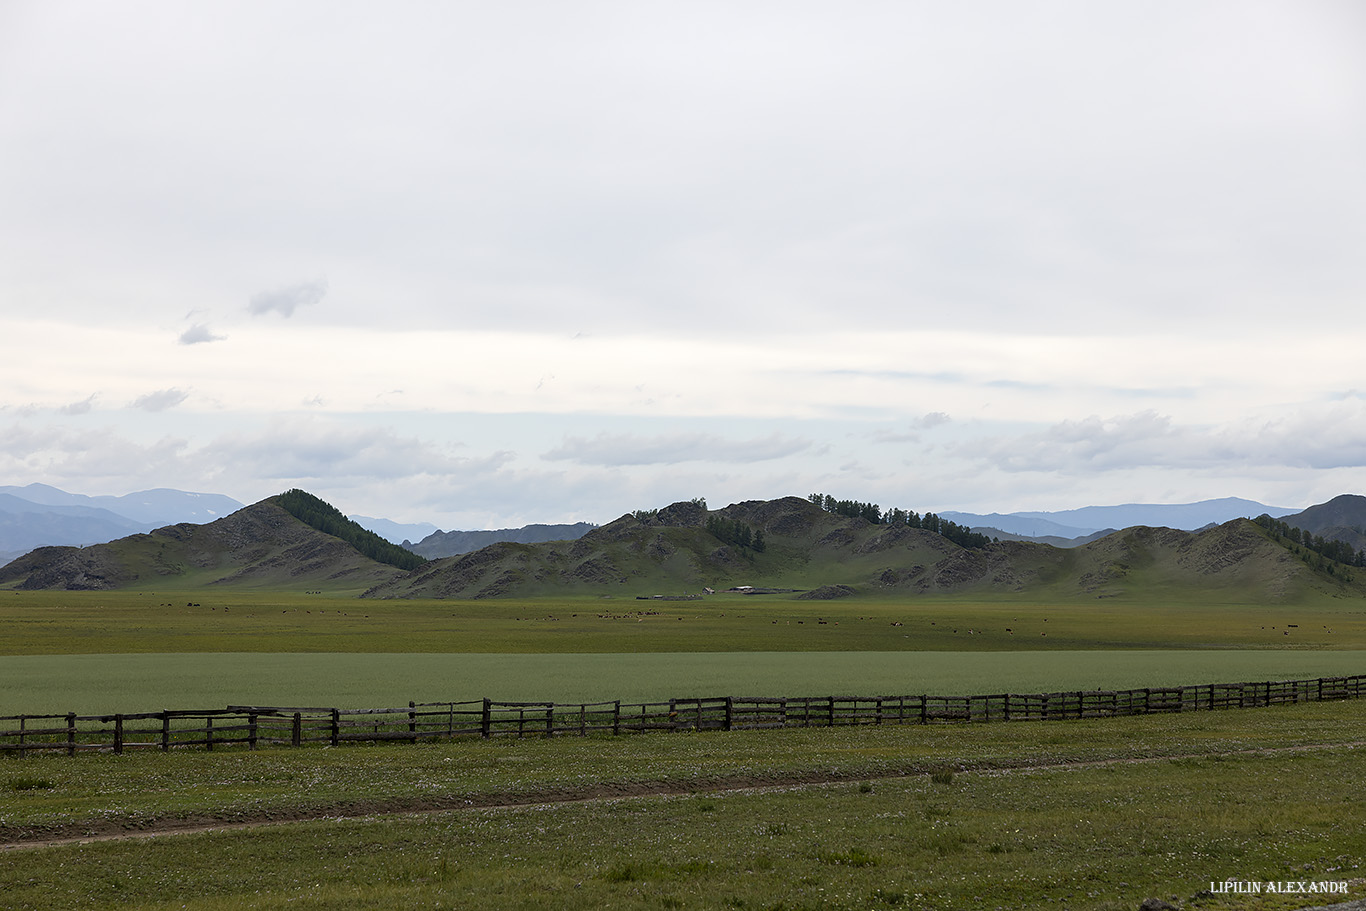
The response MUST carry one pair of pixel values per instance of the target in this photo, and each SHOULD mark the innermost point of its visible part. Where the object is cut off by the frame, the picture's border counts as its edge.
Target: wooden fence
(252, 726)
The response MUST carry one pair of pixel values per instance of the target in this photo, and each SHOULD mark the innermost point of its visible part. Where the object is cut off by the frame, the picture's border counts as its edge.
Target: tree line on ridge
(958, 534)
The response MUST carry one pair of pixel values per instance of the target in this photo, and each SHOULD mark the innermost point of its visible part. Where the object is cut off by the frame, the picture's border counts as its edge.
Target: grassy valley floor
(1083, 814)
(104, 684)
(223, 621)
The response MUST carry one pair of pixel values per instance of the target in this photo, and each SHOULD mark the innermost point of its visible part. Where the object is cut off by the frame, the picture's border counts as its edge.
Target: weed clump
(28, 783)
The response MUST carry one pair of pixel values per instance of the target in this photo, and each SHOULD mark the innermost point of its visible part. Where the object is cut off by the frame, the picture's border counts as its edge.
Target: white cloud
(310, 449)
(97, 460)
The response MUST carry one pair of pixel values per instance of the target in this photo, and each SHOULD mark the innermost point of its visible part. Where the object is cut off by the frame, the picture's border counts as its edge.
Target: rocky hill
(670, 551)
(677, 550)
(259, 546)
(790, 544)
(1342, 518)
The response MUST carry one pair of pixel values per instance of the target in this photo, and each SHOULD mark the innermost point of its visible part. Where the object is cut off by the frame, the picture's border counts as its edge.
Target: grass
(1100, 837)
(235, 782)
(100, 684)
(124, 651)
(967, 829)
(211, 621)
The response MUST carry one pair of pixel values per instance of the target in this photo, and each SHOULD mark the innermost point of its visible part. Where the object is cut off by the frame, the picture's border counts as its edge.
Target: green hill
(790, 544)
(1342, 518)
(817, 553)
(261, 546)
(329, 519)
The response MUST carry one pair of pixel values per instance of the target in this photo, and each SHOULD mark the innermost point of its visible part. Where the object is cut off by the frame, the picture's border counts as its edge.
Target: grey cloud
(669, 449)
(912, 434)
(285, 301)
(198, 334)
(81, 407)
(1137, 439)
(161, 400)
(92, 457)
(1327, 439)
(309, 449)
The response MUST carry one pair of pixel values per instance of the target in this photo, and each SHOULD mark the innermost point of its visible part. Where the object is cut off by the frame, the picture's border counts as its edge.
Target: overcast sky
(484, 264)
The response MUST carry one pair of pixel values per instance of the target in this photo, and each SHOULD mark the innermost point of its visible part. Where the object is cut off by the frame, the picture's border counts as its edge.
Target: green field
(50, 623)
(103, 684)
(104, 652)
(1081, 814)
(1087, 815)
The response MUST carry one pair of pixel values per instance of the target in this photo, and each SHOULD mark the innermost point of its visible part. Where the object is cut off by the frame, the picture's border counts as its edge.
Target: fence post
(412, 720)
(208, 733)
(296, 733)
(830, 715)
(165, 731)
(486, 723)
(730, 712)
(251, 731)
(616, 718)
(21, 736)
(71, 733)
(336, 726)
(550, 720)
(118, 734)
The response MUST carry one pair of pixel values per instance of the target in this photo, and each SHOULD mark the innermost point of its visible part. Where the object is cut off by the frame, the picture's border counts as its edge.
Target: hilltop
(259, 546)
(1342, 518)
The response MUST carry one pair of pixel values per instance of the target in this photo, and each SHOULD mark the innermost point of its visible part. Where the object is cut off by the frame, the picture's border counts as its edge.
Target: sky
(488, 264)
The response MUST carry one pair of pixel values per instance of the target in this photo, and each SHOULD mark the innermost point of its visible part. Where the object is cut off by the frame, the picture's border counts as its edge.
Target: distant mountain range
(1069, 527)
(38, 515)
(397, 532)
(790, 545)
(450, 543)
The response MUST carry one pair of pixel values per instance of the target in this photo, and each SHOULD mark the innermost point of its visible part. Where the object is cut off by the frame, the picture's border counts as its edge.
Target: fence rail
(252, 726)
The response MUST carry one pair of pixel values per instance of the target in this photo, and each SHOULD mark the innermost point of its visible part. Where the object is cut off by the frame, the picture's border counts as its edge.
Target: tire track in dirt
(14, 838)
